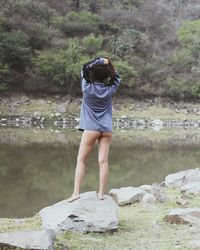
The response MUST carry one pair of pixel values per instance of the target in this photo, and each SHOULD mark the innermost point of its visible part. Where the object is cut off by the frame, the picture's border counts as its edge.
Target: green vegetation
(43, 45)
(62, 67)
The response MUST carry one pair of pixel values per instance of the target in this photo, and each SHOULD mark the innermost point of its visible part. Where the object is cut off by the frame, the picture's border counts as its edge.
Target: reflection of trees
(37, 169)
(36, 175)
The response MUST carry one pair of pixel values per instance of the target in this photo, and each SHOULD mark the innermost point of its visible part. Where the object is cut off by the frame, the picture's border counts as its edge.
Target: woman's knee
(102, 161)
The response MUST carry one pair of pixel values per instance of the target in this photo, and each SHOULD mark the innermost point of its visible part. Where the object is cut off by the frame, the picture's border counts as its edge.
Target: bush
(76, 24)
(130, 42)
(62, 66)
(195, 89)
(189, 37)
(14, 49)
(92, 44)
(182, 61)
(127, 73)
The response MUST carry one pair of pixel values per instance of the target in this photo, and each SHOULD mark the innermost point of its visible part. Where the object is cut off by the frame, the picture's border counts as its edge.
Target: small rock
(191, 188)
(158, 122)
(157, 189)
(147, 188)
(77, 119)
(183, 177)
(175, 179)
(162, 184)
(28, 239)
(184, 216)
(148, 201)
(36, 113)
(161, 198)
(182, 202)
(127, 195)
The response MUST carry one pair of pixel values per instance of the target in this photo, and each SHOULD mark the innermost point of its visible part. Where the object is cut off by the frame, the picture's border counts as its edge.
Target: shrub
(92, 44)
(75, 24)
(127, 73)
(130, 42)
(14, 49)
(182, 61)
(195, 89)
(189, 37)
(62, 66)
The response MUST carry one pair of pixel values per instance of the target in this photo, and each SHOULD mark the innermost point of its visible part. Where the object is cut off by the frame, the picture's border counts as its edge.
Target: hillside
(155, 45)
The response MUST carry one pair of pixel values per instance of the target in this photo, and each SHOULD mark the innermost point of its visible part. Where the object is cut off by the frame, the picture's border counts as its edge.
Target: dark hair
(102, 72)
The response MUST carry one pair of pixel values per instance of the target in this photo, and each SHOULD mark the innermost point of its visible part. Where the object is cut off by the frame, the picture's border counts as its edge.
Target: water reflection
(37, 166)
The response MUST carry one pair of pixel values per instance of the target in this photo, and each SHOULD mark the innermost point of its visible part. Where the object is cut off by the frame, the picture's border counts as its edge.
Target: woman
(96, 119)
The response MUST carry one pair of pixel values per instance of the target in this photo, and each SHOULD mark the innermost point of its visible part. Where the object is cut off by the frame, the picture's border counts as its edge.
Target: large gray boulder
(87, 214)
(127, 195)
(33, 239)
(184, 216)
(182, 177)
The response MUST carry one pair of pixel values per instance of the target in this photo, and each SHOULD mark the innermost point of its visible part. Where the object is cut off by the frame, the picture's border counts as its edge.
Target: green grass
(11, 224)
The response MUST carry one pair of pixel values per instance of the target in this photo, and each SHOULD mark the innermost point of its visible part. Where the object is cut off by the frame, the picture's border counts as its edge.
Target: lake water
(37, 166)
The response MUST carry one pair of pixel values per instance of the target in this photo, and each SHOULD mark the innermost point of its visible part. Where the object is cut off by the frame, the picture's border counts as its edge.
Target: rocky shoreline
(24, 111)
(89, 214)
(63, 121)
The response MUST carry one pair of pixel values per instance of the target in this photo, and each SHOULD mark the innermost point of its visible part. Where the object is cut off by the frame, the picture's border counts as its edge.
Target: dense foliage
(155, 45)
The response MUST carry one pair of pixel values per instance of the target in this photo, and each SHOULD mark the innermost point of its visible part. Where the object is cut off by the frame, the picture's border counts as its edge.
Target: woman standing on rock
(96, 119)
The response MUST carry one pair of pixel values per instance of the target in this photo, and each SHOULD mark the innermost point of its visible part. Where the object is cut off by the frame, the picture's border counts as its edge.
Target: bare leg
(87, 142)
(103, 152)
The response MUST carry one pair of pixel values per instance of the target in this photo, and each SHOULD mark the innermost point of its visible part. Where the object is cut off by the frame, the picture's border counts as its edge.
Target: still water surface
(37, 166)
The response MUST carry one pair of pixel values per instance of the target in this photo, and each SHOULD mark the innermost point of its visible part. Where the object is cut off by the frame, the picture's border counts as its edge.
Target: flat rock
(33, 239)
(127, 195)
(182, 177)
(146, 188)
(191, 188)
(184, 216)
(87, 214)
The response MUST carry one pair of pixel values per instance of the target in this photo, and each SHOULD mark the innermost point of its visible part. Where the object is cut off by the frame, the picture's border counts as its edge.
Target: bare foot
(73, 197)
(101, 197)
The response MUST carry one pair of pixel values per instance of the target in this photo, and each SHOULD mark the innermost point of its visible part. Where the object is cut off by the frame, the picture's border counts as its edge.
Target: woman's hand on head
(106, 61)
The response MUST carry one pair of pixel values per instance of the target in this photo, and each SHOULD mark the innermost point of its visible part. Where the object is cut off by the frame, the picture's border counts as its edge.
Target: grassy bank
(164, 109)
(138, 229)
